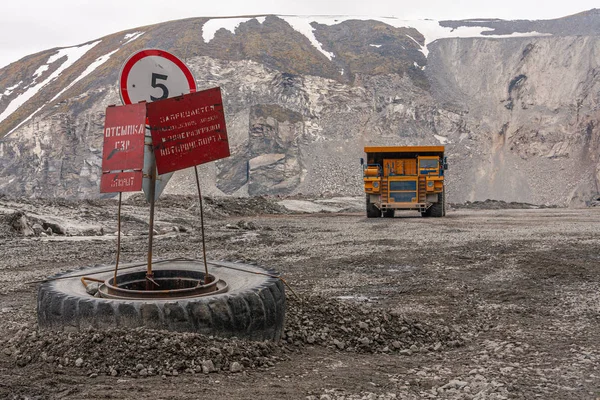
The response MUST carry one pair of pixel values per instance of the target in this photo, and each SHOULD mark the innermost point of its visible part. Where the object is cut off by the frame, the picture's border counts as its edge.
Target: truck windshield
(428, 164)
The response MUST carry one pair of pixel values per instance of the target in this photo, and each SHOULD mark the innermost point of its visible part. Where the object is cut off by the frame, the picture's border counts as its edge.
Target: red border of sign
(146, 53)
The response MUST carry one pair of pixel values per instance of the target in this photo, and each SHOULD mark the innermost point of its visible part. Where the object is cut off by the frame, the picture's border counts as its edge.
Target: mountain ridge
(364, 81)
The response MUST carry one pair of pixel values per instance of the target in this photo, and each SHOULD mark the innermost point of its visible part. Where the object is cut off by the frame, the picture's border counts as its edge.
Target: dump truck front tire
(444, 203)
(438, 209)
(372, 211)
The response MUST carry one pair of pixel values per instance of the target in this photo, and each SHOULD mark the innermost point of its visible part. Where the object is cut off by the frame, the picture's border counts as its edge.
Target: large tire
(438, 209)
(444, 202)
(252, 308)
(372, 211)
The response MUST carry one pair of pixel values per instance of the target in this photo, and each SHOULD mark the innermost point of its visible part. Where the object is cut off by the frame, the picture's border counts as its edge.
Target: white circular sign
(151, 75)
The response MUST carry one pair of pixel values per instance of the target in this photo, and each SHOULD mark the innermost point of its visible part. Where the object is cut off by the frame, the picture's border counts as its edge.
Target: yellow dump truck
(405, 178)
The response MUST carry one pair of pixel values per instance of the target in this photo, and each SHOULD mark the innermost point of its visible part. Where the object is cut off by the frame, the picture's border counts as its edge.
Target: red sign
(130, 181)
(124, 130)
(188, 130)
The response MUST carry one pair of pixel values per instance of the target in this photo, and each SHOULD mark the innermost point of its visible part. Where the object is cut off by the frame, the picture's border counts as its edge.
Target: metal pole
(202, 227)
(118, 240)
(149, 274)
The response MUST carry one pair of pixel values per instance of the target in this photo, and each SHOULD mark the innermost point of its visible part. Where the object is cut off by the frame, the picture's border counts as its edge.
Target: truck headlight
(430, 183)
(375, 184)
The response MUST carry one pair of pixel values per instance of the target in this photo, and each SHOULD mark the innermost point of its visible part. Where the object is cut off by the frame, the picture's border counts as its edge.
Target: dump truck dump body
(405, 178)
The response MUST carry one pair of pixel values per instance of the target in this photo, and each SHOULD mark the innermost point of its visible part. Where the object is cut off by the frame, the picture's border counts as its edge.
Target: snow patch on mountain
(518, 34)
(211, 26)
(442, 139)
(304, 26)
(9, 90)
(38, 72)
(72, 54)
(98, 62)
(430, 29)
(130, 37)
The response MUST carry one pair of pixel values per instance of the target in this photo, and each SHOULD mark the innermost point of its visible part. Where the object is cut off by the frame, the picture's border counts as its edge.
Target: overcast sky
(29, 26)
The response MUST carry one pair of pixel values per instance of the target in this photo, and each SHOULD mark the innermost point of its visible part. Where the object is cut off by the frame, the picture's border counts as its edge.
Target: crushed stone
(312, 321)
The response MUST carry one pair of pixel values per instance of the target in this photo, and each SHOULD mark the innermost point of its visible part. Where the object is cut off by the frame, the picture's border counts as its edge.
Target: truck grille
(403, 197)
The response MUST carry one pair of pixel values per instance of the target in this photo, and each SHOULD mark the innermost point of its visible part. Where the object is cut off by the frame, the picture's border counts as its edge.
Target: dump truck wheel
(252, 308)
(372, 211)
(444, 202)
(437, 209)
(388, 214)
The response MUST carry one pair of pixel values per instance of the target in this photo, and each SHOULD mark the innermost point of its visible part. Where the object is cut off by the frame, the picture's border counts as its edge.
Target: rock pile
(217, 206)
(359, 328)
(6, 229)
(28, 224)
(241, 206)
(138, 352)
(595, 202)
(142, 352)
(21, 224)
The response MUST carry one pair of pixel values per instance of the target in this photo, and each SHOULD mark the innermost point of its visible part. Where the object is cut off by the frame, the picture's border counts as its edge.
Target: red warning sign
(188, 130)
(124, 129)
(123, 152)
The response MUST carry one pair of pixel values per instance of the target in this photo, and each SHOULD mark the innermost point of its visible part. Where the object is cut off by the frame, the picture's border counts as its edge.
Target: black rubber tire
(436, 210)
(253, 308)
(444, 202)
(388, 214)
(372, 211)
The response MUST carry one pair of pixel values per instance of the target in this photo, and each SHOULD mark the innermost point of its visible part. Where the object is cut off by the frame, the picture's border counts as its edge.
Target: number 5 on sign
(151, 75)
(155, 84)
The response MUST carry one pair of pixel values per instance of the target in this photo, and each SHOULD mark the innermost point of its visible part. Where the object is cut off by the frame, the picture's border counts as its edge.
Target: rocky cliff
(517, 103)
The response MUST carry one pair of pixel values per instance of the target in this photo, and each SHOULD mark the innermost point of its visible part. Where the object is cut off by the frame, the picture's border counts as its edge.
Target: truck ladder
(422, 189)
(384, 190)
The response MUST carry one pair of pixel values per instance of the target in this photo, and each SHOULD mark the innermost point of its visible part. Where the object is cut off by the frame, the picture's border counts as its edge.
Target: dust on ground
(500, 303)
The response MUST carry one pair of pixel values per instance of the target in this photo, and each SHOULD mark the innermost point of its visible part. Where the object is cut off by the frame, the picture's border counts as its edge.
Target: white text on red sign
(185, 147)
(187, 114)
(124, 130)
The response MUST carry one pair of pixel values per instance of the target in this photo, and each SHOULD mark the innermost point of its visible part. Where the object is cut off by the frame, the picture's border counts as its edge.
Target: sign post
(164, 126)
(176, 114)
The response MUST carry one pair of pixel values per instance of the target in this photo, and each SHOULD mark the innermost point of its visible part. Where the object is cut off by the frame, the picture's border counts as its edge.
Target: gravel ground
(500, 303)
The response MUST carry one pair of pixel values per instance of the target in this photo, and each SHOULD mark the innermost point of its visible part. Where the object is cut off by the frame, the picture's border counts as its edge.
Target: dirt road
(482, 304)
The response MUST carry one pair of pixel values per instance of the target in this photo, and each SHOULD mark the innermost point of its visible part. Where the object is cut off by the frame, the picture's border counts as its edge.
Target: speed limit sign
(152, 74)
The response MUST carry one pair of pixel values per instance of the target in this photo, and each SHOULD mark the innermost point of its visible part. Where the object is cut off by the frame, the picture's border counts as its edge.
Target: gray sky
(29, 26)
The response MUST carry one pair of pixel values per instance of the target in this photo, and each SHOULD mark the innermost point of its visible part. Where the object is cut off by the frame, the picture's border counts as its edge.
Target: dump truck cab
(404, 178)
